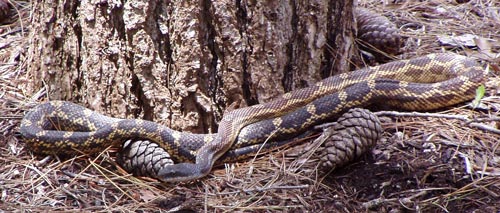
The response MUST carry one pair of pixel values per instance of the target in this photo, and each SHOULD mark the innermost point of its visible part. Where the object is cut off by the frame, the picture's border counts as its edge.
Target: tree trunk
(182, 63)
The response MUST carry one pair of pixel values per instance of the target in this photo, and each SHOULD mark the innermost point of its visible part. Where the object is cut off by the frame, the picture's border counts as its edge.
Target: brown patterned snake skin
(423, 83)
(349, 137)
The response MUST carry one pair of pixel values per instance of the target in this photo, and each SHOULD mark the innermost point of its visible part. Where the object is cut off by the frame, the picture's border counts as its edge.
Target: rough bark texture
(182, 63)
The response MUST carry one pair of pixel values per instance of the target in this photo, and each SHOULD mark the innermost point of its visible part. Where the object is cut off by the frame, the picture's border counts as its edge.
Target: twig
(470, 122)
(377, 202)
(76, 197)
(421, 114)
(468, 167)
(484, 127)
(261, 189)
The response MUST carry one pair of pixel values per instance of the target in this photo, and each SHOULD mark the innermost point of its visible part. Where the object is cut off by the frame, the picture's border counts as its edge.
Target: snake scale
(423, 83)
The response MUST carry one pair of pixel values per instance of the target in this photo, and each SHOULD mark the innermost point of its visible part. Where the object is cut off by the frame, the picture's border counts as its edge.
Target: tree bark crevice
(182, 63)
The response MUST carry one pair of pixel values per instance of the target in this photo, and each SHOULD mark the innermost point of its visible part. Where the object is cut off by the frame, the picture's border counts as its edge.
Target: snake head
(180, 172)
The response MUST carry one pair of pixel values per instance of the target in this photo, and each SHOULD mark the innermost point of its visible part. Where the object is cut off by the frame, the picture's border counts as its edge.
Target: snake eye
(168, 172)
(179, 172)
(174, 173)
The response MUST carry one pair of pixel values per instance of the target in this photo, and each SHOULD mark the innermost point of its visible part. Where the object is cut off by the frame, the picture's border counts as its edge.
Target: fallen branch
(470, 122)
(261, 189)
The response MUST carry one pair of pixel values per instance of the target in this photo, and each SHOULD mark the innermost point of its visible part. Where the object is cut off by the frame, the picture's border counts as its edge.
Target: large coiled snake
(423, 83)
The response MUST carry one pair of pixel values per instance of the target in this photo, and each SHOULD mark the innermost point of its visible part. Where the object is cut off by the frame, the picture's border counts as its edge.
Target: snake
(423, 83)
(342, 141)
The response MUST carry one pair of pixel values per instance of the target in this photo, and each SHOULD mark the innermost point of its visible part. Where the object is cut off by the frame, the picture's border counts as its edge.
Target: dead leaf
(147, 195)
(466, 40)
(483, 43)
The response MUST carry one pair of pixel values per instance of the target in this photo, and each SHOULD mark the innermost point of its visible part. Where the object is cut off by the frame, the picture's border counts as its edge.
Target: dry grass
(440, 162)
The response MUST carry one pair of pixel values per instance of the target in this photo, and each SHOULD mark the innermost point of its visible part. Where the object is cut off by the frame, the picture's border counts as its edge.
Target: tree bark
(183, 63)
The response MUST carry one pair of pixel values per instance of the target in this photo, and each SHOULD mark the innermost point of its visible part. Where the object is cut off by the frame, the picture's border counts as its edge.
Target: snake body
(423, 83)
(346, 139)
(336, 94)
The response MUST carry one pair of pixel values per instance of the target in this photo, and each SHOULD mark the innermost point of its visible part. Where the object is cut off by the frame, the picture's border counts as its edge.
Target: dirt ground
(443, 161)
